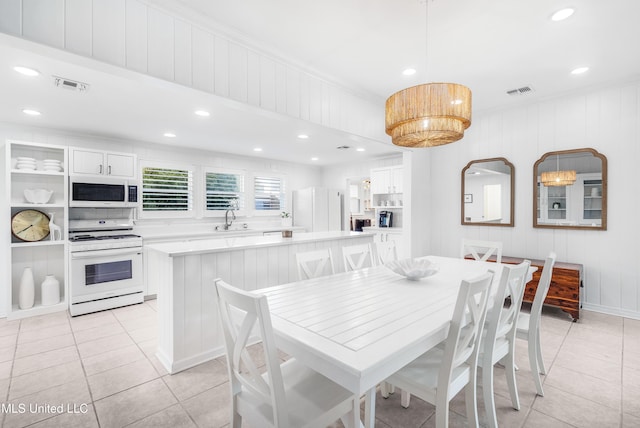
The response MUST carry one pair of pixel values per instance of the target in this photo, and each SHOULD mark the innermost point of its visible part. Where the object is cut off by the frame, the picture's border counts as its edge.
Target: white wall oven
(97, 192)
(105, 265)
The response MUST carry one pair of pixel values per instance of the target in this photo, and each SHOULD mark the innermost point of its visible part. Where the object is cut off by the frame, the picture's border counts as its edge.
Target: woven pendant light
(557, 177)
(428, 115)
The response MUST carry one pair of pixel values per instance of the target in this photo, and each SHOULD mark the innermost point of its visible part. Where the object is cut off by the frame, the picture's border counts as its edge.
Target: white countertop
(382, 229)
(212, 234)
(181, 248)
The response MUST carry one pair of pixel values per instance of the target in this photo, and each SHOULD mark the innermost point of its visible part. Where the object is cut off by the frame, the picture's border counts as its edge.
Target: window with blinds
(224, 191)
(268, 193)
(167, 189)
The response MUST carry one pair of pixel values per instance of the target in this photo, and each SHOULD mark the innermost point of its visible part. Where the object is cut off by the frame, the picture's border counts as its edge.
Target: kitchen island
(189, 327)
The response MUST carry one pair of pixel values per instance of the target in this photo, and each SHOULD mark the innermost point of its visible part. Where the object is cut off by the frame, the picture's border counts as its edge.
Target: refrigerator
(318, 209)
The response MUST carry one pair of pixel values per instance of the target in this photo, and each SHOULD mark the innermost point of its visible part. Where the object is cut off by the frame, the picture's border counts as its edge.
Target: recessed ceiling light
(31, 112)
(409, 72)
(27, 71)
(202, 113)
(257, 149)
(360, 149)
(314, 159)
(303, 136)
(580, 70)
(169, 135)
(562, 14)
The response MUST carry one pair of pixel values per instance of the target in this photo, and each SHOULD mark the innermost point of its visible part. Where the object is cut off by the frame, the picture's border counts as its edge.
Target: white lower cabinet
(391, 234)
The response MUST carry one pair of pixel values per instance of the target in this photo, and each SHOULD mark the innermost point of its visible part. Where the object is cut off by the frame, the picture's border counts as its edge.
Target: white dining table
(357, 328)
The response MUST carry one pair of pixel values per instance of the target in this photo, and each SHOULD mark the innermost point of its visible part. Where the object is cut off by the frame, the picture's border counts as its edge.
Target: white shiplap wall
(136, 36)
(606, 119)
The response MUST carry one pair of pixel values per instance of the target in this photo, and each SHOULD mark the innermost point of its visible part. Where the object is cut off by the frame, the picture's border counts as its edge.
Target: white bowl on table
(413, 269)
(37, 196)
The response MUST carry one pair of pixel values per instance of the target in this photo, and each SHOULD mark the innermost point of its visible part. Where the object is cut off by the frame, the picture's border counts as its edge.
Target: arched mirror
(488, 192)
(570, 190)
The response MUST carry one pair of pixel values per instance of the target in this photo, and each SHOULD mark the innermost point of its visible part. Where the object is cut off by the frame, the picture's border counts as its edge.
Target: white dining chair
(439, 374)
(499, 336)
(481, 250)
(357, 257)
(313, 264)
(386, 251)
(529, 323)
(288, 395)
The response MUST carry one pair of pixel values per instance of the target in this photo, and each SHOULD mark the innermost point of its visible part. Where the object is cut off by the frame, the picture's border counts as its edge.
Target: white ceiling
(490, 46)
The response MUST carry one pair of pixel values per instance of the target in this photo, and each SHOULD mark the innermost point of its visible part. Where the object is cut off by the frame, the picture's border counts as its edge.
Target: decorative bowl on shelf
(37, 196)
(413, 269)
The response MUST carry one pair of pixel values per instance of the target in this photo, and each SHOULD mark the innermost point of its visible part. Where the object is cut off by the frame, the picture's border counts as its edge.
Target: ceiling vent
(520, 91)
(343, 147)
(72, 85)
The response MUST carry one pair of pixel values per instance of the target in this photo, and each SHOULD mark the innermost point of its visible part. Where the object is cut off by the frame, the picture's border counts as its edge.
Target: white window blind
(224, 191)
(269, 193)
(167, 189)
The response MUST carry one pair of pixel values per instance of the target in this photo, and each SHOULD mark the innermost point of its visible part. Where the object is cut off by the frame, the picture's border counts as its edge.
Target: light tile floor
(99, 370)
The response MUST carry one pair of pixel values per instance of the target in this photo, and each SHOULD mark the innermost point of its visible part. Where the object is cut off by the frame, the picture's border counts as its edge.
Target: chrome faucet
(227, 223)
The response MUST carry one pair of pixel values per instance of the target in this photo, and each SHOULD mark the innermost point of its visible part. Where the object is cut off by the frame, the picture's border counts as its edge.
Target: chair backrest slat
(386, 252)
(313, 264)
(502, 321)
(543, 288)
(357, 257)
(481, 250)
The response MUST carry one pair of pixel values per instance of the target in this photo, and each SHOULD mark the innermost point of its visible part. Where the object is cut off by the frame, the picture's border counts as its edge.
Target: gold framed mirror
(487, 195)
(570, 190)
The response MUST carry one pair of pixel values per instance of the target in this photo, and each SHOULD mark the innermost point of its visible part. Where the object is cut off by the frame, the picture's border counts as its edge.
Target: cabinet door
(87, 162)
(380, 181)
(119, 165)
(396, 180)
(590, 188)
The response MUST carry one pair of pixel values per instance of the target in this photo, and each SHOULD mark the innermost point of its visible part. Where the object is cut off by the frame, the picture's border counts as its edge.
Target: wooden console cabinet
(564, 291)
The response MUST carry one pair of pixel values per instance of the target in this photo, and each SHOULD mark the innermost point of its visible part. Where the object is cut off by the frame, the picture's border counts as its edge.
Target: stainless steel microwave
(102, 193)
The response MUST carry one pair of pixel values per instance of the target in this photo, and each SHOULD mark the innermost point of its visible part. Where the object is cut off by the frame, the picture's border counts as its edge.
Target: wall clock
(30, 225)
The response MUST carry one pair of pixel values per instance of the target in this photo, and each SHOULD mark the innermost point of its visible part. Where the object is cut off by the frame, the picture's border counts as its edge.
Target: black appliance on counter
(360, 223)
(385, 219)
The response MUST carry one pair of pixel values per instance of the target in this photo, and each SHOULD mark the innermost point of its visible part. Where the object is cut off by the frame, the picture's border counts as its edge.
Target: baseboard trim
(611, 311)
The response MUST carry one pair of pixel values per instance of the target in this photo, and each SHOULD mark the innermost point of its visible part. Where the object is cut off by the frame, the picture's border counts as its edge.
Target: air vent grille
(520, 91)
(72, 85)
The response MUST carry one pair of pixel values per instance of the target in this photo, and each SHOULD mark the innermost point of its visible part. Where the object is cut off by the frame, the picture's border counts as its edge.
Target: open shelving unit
(46, 256)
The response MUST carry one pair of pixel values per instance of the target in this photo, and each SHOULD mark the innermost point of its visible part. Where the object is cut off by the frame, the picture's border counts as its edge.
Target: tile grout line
(84, 372)
(13, 360)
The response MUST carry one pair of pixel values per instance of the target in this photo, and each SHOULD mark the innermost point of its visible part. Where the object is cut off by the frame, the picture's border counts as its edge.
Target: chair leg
(541, 367)
(471, 402)
(384, 390)
(405, 398)
(533, 362)
(510, 372)
(487, 393)
(352, 419)
(442, 410)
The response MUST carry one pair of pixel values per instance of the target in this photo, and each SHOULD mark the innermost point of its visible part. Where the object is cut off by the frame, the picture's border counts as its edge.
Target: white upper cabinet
(95, 162)
(386, 180)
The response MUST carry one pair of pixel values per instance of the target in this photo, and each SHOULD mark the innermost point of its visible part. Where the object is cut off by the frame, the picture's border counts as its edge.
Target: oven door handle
(110, 252)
